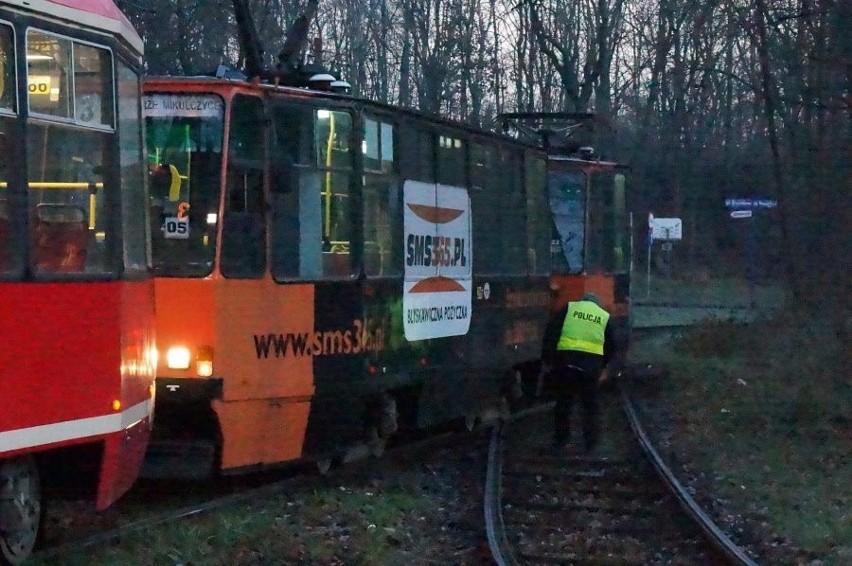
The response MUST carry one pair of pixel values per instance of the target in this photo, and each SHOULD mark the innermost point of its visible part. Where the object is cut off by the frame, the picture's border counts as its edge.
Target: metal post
(750, 254)
(648, 282)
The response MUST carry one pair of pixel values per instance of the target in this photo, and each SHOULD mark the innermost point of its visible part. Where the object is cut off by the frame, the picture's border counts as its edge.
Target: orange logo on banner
(182, 210)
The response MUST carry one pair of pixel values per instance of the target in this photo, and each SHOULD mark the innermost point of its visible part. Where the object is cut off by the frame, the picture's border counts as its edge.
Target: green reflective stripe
(579, 345)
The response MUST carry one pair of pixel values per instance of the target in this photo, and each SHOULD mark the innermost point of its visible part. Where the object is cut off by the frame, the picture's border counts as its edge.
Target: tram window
(56, 65)
(49, 73)
(294, 138)
(452, 155)
(484, 170)
(333, 138)
(184, 150)
(135, 226)
(607, 222)
(7, 69)
(378, 146)
(417, 161)
(7, 103)
(539, 223)
(312, 209)
(388, 152)
(92, 95)
(567, 198)
(382, 216)
(513, 231)
(67, 196)
(244, 227)
(333, 131)
(371, 146)
(8, 234)
(620, 227)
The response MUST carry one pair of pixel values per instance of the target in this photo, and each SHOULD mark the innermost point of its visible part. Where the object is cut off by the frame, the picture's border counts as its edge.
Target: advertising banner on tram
(438, 274)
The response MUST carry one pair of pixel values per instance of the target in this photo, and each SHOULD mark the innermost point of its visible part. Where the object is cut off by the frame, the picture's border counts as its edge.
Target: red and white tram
(76, 301)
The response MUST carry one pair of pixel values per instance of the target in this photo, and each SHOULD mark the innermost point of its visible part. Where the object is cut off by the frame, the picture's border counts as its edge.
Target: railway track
(76, 529)
(620, 506)
(151, 504)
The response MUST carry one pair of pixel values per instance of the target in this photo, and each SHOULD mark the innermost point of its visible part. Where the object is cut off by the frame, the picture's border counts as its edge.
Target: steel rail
(501, 550)
(718, 537)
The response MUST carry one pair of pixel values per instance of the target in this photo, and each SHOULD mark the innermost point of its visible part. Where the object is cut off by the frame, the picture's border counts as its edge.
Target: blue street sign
(750, 203)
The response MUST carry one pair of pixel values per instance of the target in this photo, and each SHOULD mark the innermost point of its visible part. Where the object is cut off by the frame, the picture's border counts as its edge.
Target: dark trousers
(569, 384)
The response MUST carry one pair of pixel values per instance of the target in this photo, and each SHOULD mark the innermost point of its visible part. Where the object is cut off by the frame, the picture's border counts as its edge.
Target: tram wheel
(20, 509)
(384, 425)
(470, 422)
(375, 442)
(323, 465)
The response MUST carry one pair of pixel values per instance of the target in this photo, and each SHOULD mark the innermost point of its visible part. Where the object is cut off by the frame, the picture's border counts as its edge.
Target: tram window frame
(78, 99)
(620, 224)
(606, 224)
(417, 151)
(72, 191)
(185, 153)
(484, 168)
(243, 242)
(337, 172)
(8, 70)
(539, 221)
(73, 227)
(451, 158)
(306, 243)
(513, 232)
(381, 199)
(136, 238)
(10, 246)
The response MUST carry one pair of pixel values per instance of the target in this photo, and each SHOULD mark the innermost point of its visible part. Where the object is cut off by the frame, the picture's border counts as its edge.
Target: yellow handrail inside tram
(68, 185)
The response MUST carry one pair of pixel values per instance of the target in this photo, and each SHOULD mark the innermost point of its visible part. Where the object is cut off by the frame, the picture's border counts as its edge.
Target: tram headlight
(204, 361)
(177, 357)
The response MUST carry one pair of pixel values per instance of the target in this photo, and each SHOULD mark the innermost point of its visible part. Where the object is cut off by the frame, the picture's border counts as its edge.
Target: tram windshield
(590, 214)
(184, 143)
(567, 196)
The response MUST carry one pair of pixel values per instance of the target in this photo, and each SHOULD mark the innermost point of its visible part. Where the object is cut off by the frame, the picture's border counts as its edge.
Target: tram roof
(101, 15)
(201, 83)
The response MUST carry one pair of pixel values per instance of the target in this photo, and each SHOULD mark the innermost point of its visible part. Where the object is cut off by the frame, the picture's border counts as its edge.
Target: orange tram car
(77, 360)
(332, 271)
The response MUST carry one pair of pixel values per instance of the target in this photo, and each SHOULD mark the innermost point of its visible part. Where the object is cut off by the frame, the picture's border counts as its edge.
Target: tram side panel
(62, 382)
(309, 353)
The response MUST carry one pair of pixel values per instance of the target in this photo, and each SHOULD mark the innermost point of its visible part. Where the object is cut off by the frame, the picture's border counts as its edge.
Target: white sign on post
(665, 228)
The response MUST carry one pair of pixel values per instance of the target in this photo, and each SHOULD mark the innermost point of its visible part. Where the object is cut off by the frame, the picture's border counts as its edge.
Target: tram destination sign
(750, 203)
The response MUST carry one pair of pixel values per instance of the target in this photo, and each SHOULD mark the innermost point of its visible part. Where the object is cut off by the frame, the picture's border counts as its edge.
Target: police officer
(578, 344)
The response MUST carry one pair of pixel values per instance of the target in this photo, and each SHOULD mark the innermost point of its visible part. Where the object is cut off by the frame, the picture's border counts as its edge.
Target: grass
(329, 526)
(697, 291)
(765, 410)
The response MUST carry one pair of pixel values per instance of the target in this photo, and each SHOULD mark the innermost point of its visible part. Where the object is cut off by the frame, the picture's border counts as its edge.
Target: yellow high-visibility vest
(583, 328)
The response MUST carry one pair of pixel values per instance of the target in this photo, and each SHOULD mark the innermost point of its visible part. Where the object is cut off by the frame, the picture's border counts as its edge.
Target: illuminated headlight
(204, 362)
(177, 357)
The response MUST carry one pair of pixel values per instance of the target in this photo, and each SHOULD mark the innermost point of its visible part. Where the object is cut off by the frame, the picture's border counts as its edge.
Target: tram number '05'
(175, 228)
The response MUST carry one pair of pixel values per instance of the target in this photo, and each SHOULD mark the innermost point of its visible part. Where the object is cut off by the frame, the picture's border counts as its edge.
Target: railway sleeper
(584, 547)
